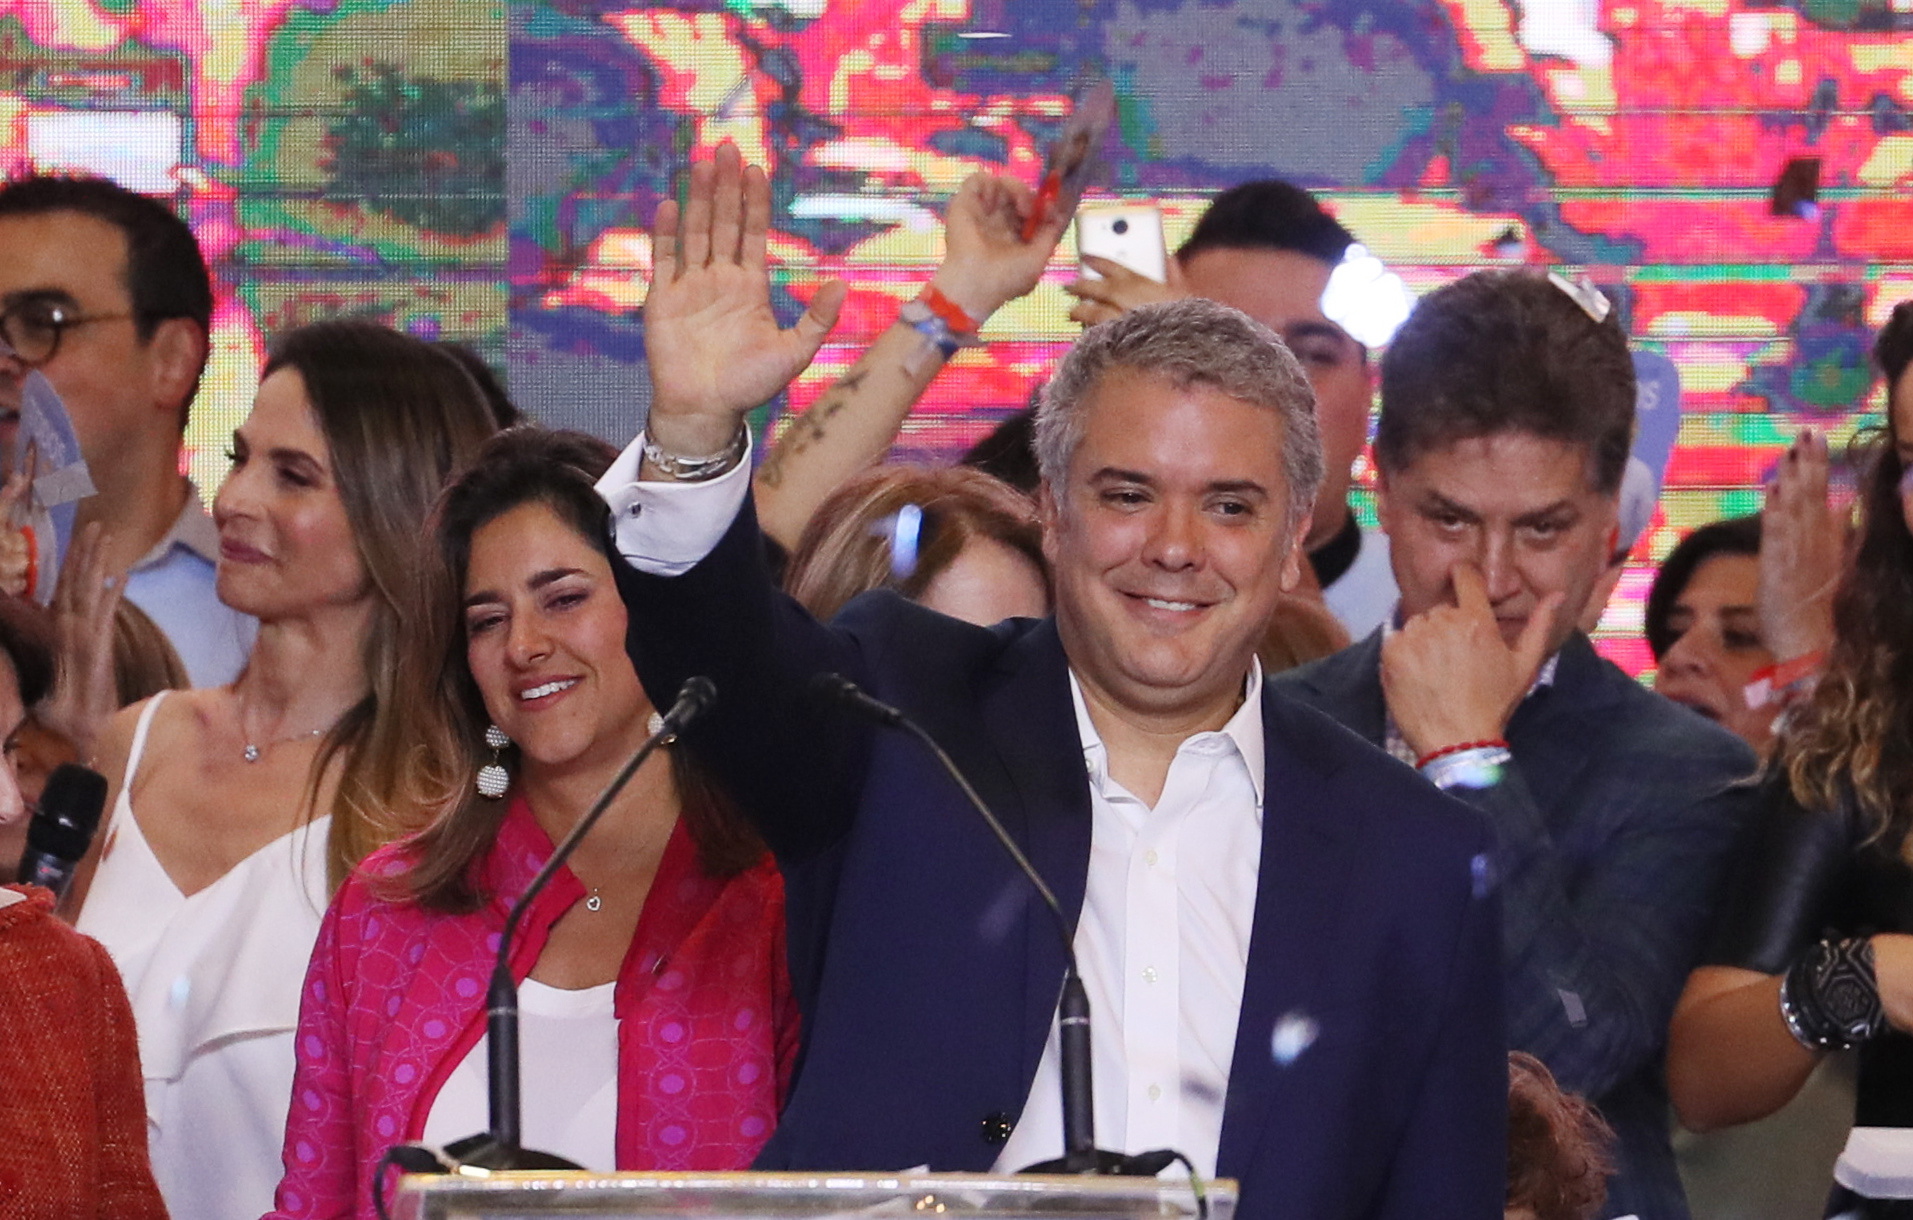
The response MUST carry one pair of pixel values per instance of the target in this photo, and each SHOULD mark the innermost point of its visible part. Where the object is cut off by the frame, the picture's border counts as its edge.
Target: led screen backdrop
(1636, 138)
(344, 157)
(353, 156)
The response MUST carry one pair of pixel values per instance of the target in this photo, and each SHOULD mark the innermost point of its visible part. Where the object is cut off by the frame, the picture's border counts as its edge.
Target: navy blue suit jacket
(928, 973)
(1613, 824)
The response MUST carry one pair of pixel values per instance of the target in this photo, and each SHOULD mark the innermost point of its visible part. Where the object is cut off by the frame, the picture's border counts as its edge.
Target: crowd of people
(1389, 896)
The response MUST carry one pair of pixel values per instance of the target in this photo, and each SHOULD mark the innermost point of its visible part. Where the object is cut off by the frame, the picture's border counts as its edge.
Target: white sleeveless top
(215, 980)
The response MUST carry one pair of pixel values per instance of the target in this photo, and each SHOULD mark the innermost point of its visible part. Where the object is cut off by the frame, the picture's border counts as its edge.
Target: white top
(1163, 940)
(1163, 947)
(568, 1073)
(1365, 595)
(214, 981)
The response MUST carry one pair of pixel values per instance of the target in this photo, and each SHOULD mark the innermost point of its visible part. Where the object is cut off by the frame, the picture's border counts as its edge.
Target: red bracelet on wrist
(952, 314)
(1493, 743)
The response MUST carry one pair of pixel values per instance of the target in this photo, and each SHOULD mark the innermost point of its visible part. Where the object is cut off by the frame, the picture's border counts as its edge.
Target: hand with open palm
(715, 347)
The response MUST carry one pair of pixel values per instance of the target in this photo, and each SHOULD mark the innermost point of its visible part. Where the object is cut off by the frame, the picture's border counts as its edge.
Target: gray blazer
(1613, 824)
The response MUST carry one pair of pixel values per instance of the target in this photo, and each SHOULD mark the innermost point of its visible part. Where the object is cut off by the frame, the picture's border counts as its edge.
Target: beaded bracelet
(1829, 997)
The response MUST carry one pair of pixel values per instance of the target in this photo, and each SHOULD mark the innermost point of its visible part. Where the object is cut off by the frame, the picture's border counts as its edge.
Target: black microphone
(1080, 1153)
(499, 1148)
(62, 828)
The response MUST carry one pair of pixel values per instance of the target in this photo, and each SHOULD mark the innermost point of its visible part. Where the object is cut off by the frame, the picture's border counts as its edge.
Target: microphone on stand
(63, 825)
(499, 1147)
(1080, 1153)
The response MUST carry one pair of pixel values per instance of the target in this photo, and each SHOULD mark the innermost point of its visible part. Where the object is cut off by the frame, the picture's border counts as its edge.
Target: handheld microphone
(1080, 1153)
(63, 825)
(499, 1148)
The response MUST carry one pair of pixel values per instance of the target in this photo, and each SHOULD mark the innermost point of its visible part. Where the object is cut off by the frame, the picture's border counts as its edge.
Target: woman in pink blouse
(658, 1029)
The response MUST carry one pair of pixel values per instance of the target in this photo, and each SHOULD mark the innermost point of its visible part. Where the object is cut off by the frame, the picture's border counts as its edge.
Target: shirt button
(1149, 857)
(1148, 974)
(635, 509)
(1155, 1092)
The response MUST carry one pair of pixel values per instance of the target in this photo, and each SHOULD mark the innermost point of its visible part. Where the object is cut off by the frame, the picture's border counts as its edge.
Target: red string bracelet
(952, 314)
(1493, 743)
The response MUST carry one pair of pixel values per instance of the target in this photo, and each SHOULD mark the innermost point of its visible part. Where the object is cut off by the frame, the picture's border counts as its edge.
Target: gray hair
(1190, 342)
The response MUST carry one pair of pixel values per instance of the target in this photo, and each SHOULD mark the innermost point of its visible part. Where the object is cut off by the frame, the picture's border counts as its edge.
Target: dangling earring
(655, 725)
(493, 779)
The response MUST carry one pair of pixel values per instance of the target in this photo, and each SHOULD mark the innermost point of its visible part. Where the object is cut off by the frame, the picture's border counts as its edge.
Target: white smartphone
(1126, 233)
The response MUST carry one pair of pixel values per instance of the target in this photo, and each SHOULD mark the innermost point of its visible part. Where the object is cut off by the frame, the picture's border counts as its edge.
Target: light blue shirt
(173, 584)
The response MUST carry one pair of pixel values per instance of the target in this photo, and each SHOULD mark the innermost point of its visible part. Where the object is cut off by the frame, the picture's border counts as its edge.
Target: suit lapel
(1308, 854)
(1030, 721)
(1348, 686)
(1552, 754)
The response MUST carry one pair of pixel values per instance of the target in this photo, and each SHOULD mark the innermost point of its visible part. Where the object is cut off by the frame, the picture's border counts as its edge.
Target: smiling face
(545, 635)
(285, 543)
(1169, 543)
(1520, 507)
(1716, 647)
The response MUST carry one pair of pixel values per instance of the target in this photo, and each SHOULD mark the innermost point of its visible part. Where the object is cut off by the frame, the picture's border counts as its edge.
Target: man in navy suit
(1290, 943)
(1507, 414)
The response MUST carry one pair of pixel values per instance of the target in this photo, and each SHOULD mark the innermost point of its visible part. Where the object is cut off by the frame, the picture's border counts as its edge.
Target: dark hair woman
(1703, 626)
(239, 808)
(658, 1030)
(75, 1141)
(1812, 951)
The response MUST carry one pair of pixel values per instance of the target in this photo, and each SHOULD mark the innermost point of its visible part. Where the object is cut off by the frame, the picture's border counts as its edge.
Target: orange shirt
(72, 1110)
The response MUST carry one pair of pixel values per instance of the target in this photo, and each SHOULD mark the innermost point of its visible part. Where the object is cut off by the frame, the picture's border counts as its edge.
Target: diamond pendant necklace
(254, 751)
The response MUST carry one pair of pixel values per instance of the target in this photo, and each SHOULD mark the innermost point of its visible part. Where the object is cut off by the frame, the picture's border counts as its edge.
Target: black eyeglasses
(33, 327)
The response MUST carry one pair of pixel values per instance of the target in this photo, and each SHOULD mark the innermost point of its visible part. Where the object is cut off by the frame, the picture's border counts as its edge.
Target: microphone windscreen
(695, 698)
(68, 813)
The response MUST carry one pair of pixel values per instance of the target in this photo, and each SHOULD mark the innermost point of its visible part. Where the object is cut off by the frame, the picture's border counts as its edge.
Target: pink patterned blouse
(395, 999)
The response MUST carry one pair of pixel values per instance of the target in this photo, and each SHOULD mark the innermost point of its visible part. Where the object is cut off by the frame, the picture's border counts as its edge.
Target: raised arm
(986, 264)
(699, 598)
(715, 348)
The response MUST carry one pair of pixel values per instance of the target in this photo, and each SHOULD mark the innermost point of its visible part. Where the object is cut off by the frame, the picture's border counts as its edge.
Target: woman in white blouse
(238, 809)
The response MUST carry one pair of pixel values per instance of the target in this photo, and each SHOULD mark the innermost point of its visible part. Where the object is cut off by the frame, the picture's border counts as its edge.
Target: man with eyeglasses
(105, 292)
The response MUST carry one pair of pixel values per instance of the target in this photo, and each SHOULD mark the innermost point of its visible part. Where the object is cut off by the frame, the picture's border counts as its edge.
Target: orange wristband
(952, 314)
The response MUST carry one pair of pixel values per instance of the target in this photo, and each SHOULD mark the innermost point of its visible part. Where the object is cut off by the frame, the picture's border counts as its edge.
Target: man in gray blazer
(1507, 412)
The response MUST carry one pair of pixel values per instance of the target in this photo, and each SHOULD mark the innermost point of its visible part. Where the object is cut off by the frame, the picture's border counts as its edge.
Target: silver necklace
(254, 751)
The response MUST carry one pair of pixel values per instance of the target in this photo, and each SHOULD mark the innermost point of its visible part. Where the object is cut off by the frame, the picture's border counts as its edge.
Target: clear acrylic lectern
(526, 1195)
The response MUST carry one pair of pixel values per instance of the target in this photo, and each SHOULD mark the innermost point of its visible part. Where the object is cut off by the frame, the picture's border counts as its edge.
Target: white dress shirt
(1163, 946)
(1163, 939)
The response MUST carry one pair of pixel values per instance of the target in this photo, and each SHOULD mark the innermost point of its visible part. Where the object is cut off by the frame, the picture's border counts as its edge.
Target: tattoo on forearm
(807, 429)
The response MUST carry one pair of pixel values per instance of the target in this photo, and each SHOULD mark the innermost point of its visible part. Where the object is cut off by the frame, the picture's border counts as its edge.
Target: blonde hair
(847, 546)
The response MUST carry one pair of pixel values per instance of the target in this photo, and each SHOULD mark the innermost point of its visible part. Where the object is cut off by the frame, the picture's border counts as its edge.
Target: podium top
(524, 1195)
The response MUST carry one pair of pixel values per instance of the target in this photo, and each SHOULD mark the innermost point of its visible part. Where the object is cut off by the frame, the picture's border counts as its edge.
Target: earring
(655, 725)
(493, 779)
